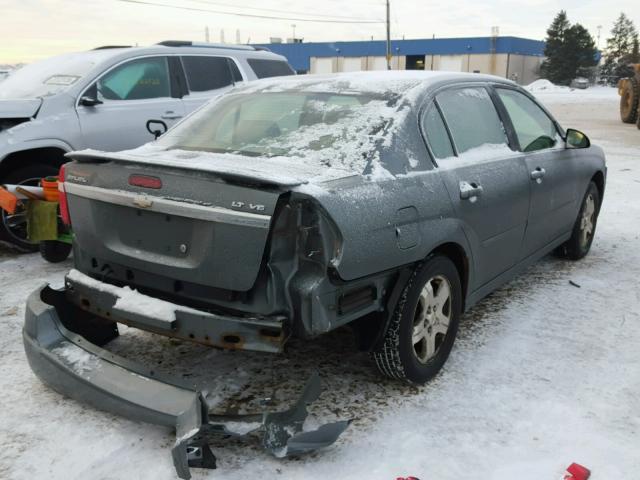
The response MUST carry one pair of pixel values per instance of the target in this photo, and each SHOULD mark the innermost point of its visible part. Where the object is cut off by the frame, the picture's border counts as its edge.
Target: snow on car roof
(399, 82)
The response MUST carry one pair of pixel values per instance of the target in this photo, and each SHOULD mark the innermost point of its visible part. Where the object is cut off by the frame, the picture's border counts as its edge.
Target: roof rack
(188, 43)
(106, 47)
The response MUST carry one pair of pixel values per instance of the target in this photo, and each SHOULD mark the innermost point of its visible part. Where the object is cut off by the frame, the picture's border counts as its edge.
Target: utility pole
(388, 37)
(206, 33)
(293, 27)
(598, 44)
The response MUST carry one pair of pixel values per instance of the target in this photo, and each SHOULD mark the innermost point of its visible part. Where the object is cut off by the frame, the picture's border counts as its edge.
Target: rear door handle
(470, 191)
(170, 116)
(537, 174)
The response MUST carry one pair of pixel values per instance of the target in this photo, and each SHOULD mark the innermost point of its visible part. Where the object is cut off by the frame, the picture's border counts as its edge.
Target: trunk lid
(203, 227)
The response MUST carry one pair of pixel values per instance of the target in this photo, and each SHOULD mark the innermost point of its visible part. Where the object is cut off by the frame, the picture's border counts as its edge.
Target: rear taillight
(64, 205)
(145, 181)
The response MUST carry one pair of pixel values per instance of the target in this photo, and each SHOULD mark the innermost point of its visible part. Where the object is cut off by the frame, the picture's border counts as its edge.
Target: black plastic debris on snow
(282, 432)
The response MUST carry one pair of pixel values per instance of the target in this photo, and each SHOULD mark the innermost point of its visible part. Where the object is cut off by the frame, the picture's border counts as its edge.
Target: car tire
(28, 175)
(417, 342)
(55, 252)
(584, 228)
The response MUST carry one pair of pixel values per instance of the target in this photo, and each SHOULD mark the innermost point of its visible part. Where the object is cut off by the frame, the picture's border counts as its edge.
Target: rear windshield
(325, 128)
(269, 68)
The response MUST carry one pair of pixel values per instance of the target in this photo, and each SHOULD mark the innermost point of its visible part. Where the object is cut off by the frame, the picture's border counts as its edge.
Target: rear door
(207, 77)
(486, 180)
(131, 94)
(551, 169)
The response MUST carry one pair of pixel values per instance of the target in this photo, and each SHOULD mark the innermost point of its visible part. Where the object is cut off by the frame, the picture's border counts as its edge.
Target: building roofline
(298, 54)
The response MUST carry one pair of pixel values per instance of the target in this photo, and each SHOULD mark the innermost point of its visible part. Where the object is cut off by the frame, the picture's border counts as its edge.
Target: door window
(436, 133)
(269, 68)
(140, 79)
(473, 120)
(207, 73)
(534, 129)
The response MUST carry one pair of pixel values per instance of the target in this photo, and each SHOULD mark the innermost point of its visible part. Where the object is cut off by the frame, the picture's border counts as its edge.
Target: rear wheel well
(370, 329)
(458, 256)
(51, 156)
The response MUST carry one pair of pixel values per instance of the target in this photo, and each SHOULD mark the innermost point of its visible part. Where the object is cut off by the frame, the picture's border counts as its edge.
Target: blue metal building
(506, 56)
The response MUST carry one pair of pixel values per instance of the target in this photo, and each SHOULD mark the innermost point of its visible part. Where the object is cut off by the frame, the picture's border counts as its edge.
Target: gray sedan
(389, 202)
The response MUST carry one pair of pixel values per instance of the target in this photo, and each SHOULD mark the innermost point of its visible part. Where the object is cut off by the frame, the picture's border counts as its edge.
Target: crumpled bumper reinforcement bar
(62, 346)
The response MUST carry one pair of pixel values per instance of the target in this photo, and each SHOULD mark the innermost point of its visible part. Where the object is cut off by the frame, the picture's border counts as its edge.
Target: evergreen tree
(622, 49)
(580, 51)
(569, 50)
(635, 52)
(553, 66)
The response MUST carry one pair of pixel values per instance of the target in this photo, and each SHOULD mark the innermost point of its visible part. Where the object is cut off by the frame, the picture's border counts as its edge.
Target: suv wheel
(13, 228)
(424, 325)
(585, 227)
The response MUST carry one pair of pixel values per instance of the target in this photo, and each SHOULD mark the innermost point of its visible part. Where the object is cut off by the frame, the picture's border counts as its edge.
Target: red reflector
(145, 181)
(577, 472)
(64, 205)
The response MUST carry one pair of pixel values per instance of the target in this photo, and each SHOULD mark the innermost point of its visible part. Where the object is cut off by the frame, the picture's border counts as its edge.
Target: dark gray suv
(390, 202)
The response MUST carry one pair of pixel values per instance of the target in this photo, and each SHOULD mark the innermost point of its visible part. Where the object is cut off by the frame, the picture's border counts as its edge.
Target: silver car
(580, 82)
(104, 99)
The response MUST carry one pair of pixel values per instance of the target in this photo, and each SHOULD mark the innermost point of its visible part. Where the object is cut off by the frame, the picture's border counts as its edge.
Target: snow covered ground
(544, 373)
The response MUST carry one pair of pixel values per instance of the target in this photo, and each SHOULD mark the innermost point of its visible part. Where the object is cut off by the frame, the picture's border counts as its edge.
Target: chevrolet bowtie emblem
(142, 201)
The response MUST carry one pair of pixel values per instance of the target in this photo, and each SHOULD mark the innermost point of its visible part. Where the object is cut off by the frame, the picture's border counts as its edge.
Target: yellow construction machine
(629, 91)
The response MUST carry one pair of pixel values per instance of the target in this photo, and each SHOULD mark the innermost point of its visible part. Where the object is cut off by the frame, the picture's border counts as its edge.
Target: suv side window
(269, 68)
(436, 133)
(207, 73)
(237, 76)
(533, 127)
(472, 119)
(139, 79)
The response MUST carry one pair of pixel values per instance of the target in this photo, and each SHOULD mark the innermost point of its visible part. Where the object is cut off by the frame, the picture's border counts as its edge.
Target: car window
(136, 80)
(235, 73)
(268, 116)
(534, 129)
(436, 133)
(269, 68)
(334, 130)
(207, 73)
(472, 119)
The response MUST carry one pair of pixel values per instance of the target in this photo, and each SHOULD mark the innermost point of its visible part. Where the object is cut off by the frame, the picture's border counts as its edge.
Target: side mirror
(87, 101)
(90, 97)
(576, 139)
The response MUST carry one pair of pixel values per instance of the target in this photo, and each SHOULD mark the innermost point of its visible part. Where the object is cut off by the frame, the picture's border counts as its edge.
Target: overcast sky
(33, 29)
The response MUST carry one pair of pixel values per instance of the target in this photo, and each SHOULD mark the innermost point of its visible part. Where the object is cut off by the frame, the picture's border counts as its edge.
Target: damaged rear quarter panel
(390, 223)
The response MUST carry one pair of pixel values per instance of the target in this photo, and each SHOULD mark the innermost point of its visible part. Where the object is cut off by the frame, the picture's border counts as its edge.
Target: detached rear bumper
(79, 369)
(72, 365)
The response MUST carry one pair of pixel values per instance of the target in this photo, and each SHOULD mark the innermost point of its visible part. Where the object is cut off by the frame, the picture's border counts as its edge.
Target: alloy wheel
(587, 222)
(431, 318)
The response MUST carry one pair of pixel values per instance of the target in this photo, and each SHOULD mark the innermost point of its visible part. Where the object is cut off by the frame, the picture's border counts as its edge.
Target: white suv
(104, 99)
